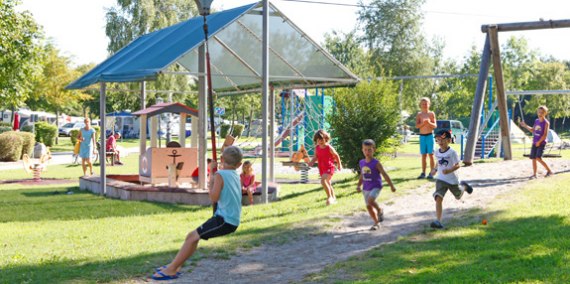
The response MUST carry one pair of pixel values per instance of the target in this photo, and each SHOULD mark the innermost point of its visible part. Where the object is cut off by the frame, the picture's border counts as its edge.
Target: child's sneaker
(423, 175)
(436, 224)
(548, 174)
(375, 227)
(468, 188)
(429, 176)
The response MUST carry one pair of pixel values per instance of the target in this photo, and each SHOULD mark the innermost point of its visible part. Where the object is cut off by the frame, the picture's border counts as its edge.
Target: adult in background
(87, 146)
(112, 147)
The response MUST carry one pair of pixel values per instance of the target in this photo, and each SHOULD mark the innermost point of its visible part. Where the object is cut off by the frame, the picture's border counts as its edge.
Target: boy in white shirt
(446, 179)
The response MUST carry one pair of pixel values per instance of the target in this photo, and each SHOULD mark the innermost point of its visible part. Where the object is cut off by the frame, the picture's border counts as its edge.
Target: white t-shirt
(446, 160)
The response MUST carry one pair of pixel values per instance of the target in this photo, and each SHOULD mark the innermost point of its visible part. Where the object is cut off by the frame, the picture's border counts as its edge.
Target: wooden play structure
(492, 51)
(175, 162)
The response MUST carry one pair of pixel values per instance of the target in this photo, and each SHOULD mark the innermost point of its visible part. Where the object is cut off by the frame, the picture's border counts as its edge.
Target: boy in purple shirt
(539, 133)
(370, 182)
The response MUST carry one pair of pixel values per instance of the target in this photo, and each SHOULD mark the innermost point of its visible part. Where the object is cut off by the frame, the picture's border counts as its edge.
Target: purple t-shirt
(538, 130)
(370, 175)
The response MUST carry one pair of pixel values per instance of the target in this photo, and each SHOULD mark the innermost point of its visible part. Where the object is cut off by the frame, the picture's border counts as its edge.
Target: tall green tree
(130, 19)
(347, 49)
(392, 33)
(368, 111)
(20, 54)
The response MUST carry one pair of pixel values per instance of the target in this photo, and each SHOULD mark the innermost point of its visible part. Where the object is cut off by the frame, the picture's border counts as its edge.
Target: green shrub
(73, 134)
(7, 124)
(46, 133)
(224, 129)
(27, 128)
(5, 129)
(368, 111)
(29, 141)
(237, 130)
(10, 146)
(97, 131)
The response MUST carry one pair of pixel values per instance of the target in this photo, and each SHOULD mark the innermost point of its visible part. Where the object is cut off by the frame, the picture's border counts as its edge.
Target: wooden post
(182, 130)
(501, 96)
(142, 145)
(154, 131)
(477, 105)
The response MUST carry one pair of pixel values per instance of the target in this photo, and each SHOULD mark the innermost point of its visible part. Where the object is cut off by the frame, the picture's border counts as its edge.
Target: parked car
(455, 126)
(66, 128)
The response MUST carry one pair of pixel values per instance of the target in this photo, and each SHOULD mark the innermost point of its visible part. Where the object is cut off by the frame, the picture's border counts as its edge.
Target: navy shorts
(536, 152)
(215, 227)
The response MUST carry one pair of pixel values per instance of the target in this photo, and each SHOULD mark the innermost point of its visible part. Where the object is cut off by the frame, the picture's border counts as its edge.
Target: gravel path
(404, 215)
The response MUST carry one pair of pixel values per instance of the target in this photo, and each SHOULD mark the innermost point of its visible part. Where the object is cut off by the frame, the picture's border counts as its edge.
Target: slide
(298, 119)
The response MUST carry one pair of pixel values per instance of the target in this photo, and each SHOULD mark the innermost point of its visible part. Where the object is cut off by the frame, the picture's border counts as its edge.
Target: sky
(77, 27)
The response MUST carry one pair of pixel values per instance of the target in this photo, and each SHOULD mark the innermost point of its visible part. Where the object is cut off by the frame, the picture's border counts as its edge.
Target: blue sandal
(163, 276)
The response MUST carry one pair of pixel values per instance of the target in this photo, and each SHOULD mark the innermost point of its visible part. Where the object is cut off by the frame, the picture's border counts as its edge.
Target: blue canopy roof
(235, 52)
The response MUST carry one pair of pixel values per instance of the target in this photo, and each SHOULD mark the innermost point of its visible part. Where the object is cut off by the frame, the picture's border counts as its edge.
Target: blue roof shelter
(251, 47)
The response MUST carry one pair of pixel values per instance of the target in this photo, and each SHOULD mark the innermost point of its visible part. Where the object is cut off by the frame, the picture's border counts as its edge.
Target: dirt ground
(404, 215)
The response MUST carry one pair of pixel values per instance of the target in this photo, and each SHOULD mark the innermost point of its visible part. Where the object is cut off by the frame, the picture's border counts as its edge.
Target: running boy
(370, 182)
(426, 123)
(539, 133)
(226, 192)
(326, 155)
(447, 179)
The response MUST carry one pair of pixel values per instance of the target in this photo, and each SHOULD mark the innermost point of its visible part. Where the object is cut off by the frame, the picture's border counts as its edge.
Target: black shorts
(215, 227)
(536, 152)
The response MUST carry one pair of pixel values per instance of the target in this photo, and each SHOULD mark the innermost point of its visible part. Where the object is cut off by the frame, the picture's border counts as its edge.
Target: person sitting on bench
(112, 147)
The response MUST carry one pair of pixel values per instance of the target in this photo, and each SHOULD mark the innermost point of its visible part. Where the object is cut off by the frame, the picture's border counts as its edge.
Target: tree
(19, 54)
(130, 19)
(392, 33)
(369, 111)
(347, 50)
(50, 89)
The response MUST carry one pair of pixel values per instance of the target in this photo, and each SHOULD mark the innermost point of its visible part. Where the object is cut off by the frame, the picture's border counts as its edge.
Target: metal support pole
(202, 118)
(501, 96)
(478, 104)
(264, 98)
(272, 134)
(102, 110)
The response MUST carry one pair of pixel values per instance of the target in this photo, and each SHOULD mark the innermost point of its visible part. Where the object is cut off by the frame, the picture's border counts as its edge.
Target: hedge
(29, 141)
(73, 134)
(5, 129)
(7, 124)
(238, 130)
(27, 128)
(46, 133)
(224, 129)
(10, 146)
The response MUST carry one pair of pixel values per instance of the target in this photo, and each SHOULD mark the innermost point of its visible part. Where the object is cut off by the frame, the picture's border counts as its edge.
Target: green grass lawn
(64, 144)
(525, 241)
(51, 237)
(47, 236)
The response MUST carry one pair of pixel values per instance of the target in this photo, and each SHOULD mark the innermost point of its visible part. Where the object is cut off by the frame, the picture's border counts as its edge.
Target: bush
(238, 130)
(10, 146)
(27, 128)
(6, 124)
(97, 131)
(73, 134)
(369, 111)
(224, 129)
(29, 141)
(46, 133)
(5, 129)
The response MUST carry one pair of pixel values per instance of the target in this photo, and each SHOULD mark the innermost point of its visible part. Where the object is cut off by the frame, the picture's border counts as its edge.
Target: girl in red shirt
(326, 156)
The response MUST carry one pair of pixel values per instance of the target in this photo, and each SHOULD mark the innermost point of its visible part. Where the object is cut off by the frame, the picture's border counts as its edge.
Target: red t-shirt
(111, 143)
(195, 172)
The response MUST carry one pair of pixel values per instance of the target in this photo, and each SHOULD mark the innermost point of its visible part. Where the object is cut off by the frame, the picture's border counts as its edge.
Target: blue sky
(77, 27)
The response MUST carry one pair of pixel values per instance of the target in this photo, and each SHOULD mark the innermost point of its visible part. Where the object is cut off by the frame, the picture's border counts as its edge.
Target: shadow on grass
(521, 250)
(52, 203)
(141, 266)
